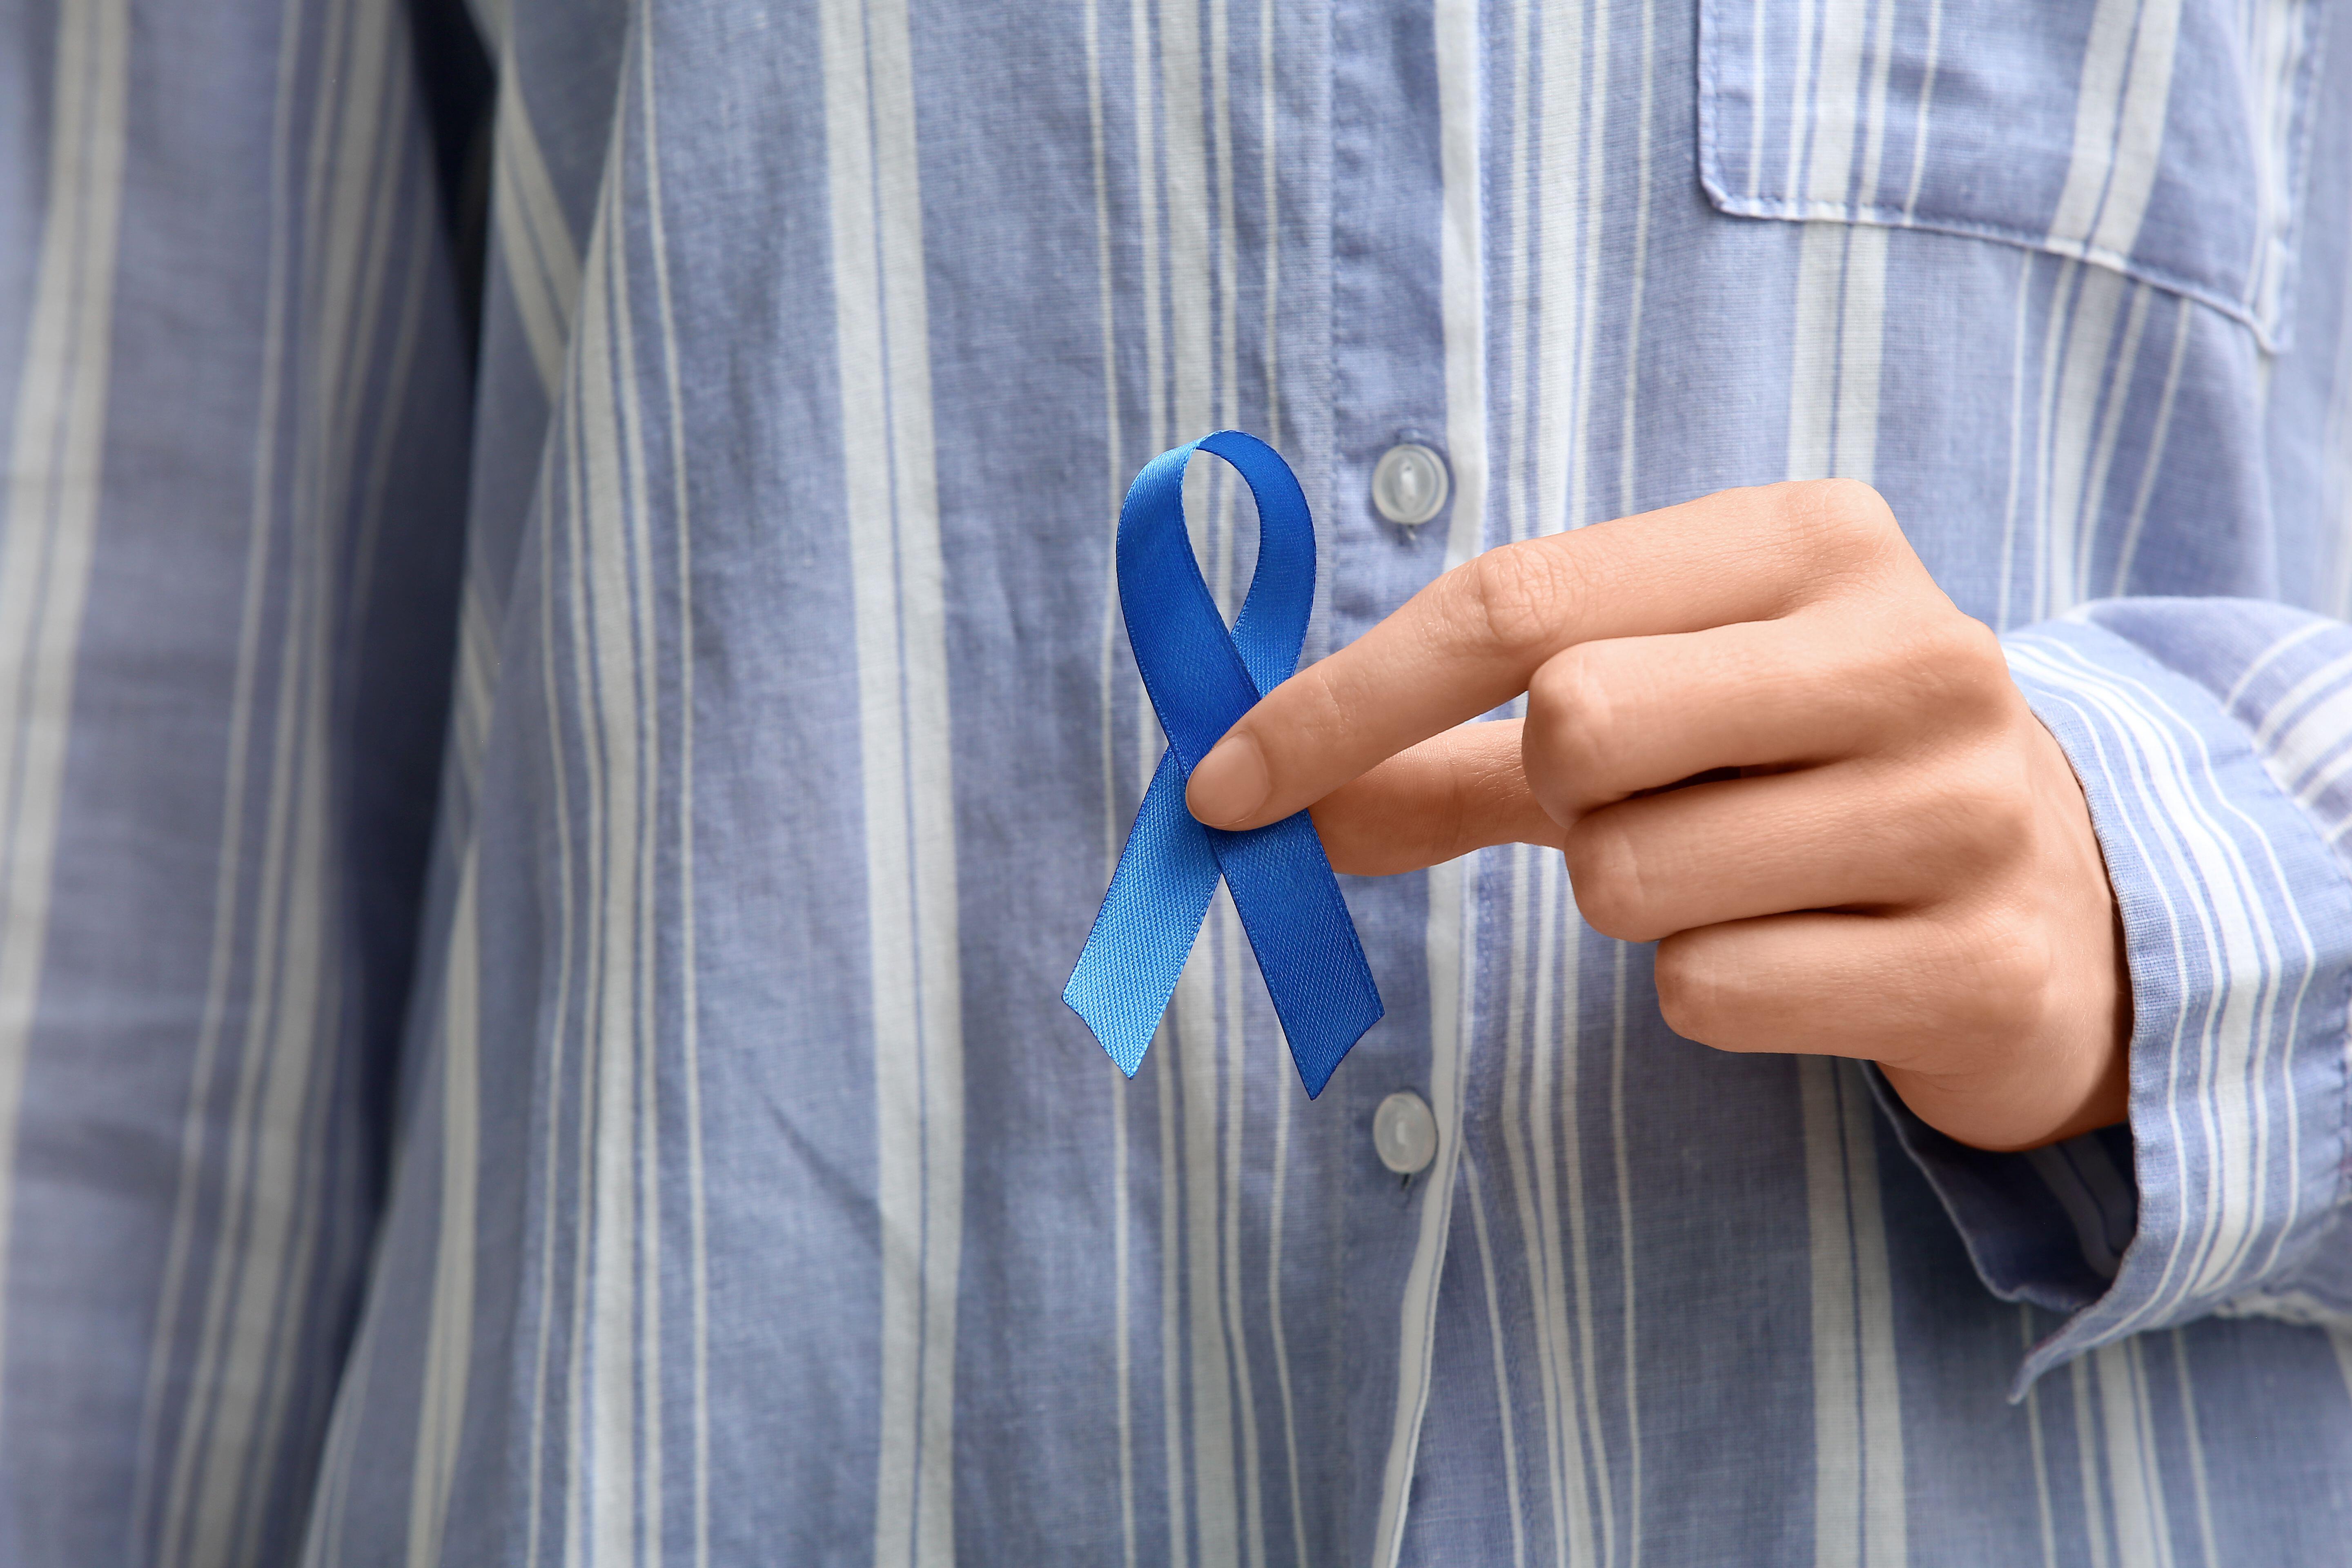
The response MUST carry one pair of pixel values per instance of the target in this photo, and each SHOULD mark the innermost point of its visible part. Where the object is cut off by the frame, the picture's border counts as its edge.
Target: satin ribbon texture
(1201, 677)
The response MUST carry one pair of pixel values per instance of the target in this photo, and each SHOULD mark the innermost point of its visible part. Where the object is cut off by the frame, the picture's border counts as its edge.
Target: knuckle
(1976, 648)
(1958, 664)
(1517, 594)
(1939, 677)
(1843, 520)
(1984, 808)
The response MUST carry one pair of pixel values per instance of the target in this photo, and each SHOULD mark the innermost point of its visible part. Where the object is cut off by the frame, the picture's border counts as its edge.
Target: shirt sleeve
(2214, 740)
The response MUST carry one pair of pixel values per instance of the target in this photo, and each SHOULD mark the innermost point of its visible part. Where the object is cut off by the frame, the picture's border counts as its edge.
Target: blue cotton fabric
(552, 774)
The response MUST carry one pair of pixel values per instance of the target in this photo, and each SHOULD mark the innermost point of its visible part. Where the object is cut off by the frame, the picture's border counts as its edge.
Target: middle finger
(1609, 719)
(1851, 836)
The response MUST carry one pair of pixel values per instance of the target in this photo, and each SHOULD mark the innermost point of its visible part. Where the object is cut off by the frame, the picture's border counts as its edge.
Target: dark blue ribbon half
(1201, 677)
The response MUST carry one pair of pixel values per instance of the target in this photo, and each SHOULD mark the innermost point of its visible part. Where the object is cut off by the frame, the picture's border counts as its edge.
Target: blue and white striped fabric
(546, 797)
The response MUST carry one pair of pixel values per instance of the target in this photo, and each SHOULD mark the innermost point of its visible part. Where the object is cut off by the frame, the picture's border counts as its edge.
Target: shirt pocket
(2164, 139)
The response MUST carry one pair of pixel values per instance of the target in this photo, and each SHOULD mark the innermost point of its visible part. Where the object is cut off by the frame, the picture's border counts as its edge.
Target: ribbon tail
(1305, 941)
(1159, 896)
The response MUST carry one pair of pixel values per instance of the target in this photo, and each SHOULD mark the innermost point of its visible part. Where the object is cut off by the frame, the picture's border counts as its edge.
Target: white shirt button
(1410, 484)
(1404, 1134)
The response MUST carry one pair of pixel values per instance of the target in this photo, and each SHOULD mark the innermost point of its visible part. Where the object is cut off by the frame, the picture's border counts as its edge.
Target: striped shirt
(553, 770)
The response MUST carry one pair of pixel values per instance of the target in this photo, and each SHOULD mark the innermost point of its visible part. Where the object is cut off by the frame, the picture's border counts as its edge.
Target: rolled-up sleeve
(2213, 740)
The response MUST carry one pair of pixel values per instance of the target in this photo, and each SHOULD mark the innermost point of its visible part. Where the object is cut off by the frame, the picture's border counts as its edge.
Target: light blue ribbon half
(1201, 677)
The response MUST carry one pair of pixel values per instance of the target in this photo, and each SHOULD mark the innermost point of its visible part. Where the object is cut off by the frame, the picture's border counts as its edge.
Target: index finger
(1472, 640)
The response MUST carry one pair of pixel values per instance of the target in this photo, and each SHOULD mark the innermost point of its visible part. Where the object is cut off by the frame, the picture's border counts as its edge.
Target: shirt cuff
(2182, 718)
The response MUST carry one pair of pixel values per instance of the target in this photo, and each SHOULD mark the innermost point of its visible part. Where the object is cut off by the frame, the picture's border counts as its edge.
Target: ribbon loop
(1200, 679)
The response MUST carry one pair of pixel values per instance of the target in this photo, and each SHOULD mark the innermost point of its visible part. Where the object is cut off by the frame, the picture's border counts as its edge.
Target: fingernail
(1230, 782)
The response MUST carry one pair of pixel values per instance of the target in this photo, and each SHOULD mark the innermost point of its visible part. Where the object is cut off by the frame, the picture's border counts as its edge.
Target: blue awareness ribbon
(1201, 677)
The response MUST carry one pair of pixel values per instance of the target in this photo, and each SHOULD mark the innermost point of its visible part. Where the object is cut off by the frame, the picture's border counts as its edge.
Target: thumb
(1456, 792)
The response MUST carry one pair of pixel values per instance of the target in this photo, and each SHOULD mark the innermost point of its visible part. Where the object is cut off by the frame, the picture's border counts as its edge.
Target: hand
(1766, 742)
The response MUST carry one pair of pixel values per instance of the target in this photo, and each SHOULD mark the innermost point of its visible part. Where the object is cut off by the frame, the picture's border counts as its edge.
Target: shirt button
(1404, 1134)
(1409, 484)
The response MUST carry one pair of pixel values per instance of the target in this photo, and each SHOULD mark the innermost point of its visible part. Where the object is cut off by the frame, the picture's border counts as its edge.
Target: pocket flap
(2165, 139)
